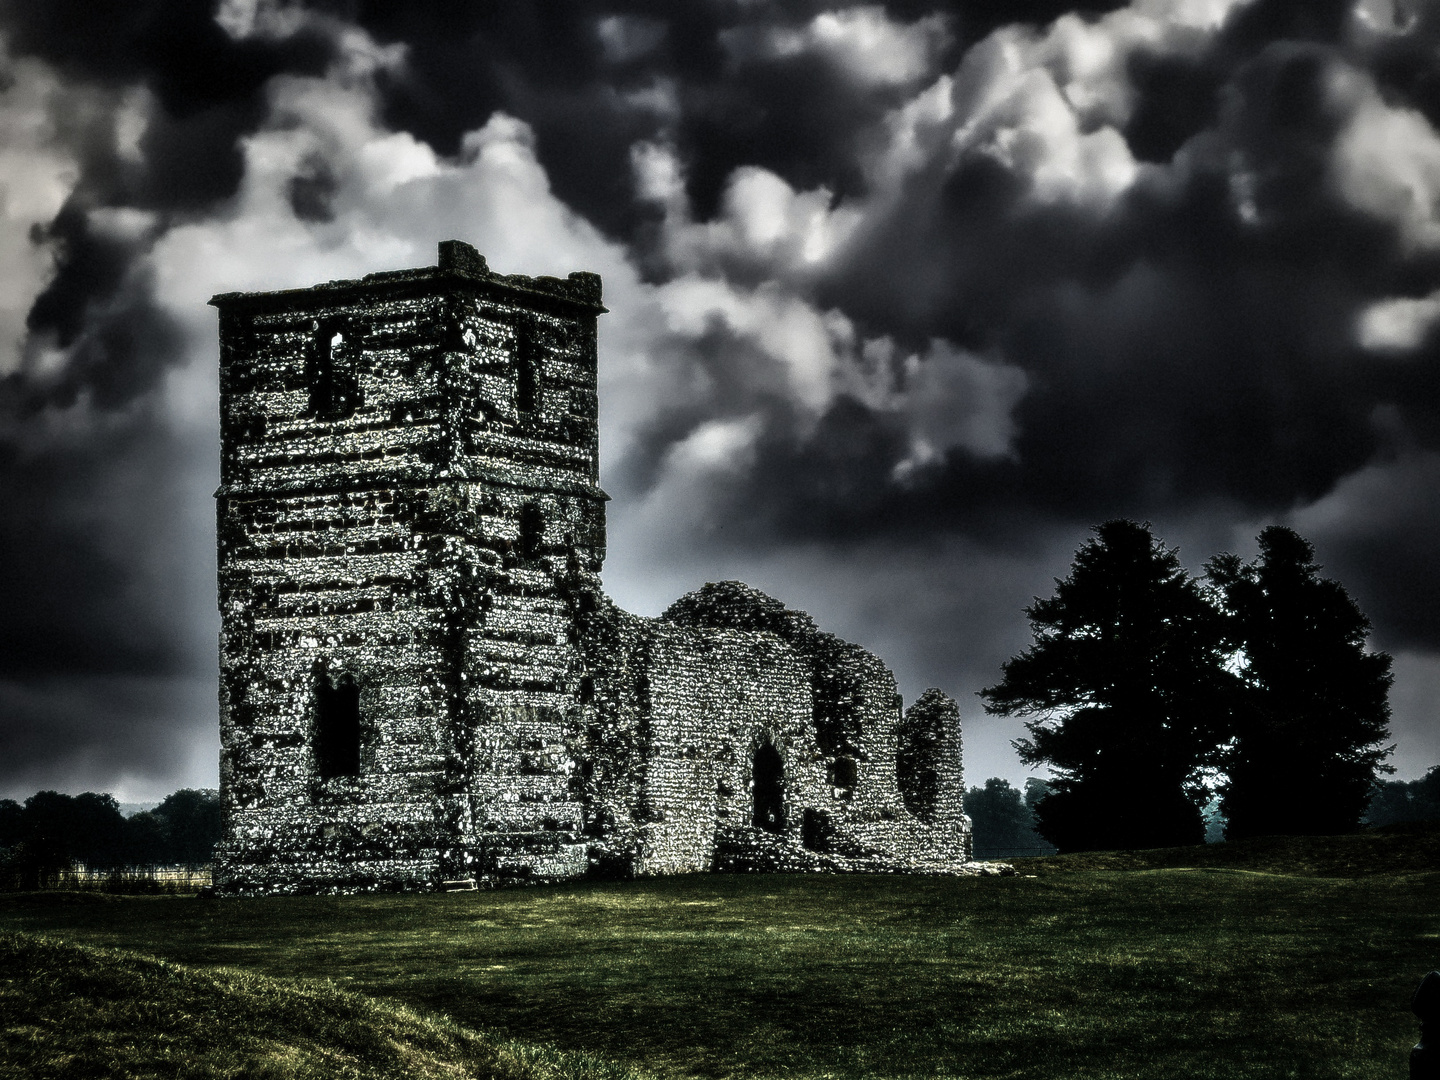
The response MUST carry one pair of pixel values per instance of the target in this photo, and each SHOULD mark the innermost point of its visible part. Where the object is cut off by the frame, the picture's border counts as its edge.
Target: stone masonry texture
(421, 680)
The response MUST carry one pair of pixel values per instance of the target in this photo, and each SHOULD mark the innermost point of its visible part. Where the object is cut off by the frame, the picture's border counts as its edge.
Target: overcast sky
(904, 299)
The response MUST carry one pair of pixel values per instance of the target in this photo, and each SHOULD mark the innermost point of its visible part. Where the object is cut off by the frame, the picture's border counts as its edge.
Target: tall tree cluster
(1149, 687)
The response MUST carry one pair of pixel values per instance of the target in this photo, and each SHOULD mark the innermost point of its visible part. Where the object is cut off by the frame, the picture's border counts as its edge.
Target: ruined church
(422, 682)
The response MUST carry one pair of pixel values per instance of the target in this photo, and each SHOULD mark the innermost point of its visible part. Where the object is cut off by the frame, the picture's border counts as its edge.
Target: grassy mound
(76, 1011)
(1409, 848)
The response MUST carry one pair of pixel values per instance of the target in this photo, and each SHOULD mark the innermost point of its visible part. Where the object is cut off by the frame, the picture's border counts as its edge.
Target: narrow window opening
(769, 787)
(525, 363)
(330, 373)
(337, 727)
(532, 530)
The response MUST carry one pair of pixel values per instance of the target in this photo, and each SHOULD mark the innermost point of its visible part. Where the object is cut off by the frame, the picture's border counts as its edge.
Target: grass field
(1277, 959)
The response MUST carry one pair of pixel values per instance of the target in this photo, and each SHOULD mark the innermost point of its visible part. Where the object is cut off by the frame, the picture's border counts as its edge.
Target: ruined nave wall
(696, 700)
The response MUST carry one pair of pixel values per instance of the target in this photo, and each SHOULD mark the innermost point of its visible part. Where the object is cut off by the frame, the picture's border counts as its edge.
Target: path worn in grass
(1162, 972)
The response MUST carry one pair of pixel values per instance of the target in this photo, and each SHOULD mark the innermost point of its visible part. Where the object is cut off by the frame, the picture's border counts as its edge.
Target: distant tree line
(1004, 821)
(1395, 801)
(51, 834)
(1153, 691)
(1002, 818)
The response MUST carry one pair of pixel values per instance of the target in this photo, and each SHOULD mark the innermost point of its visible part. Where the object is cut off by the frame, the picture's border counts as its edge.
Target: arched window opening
(769, 786)
(337, 727)
(330, 372)
(532, 530)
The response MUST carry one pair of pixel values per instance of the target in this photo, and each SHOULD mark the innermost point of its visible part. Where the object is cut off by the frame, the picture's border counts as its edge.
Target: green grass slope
(75, 1011)
(1277, 959)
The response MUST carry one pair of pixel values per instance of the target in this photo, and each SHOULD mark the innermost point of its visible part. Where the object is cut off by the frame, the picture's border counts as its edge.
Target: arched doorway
(769, 784)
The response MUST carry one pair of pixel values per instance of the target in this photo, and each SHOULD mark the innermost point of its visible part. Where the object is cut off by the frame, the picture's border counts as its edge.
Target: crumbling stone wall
(421, 679)
(928, 757)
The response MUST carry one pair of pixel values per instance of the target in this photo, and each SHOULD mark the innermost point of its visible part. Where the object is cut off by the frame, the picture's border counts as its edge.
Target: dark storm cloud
(99, 311)
(1180, 354)
(100, 646)
(1186, 348)
(549, 65)
(103, 733)
(90, 477)
(1182, 350)
(80, 511)
(313, 191)
(573, 72)
(208, 91)
(1377, 532)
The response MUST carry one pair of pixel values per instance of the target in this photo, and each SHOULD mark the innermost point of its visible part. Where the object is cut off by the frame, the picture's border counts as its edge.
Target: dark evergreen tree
(58, 831)
(1035, 790)
(12, 832)
(1311, 721)
(1126, 676)
(98, 831)
(12, 823)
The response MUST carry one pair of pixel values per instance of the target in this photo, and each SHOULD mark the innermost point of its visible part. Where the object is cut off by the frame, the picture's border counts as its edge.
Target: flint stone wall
(410, 515)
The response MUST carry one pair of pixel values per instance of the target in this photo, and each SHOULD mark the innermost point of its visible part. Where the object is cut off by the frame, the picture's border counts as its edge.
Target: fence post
(1425, 1057)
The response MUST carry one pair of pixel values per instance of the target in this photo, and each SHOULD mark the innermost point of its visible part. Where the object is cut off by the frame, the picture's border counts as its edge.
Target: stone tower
(421, 680)
(410, 529)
